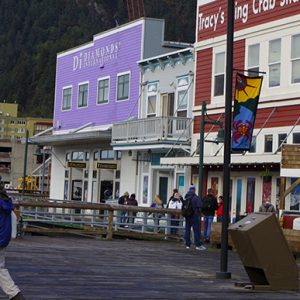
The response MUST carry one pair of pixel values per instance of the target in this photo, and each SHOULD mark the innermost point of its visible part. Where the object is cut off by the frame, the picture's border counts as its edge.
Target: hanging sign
(247, 91)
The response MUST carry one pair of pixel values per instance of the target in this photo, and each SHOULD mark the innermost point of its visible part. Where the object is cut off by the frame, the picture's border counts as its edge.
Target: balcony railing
(157, 129)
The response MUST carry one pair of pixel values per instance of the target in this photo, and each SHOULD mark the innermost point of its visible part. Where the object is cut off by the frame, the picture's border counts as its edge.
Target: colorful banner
(247, 91)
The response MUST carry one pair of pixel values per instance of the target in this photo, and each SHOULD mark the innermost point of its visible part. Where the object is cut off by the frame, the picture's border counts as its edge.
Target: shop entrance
(106, 190)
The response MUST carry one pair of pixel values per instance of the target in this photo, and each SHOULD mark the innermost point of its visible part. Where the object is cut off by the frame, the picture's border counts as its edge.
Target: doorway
(163, 189)
(106, 190)
(167, 105)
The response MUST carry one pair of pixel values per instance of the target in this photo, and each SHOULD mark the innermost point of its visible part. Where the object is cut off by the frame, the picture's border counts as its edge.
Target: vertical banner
(247, 91)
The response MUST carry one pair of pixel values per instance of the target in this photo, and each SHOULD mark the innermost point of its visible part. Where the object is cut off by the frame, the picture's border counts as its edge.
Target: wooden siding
(203, 77)
(282, 117)
(214, 7)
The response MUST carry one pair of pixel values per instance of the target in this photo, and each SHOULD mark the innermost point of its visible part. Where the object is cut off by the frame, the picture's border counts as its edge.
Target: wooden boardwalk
(78, 268)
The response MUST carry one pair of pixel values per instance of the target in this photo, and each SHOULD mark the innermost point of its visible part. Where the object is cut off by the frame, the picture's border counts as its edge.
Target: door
(167, 105)
(163, 189)
(106, 191)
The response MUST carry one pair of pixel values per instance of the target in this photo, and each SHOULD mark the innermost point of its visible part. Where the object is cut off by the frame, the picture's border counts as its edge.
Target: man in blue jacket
(6, 282)
(193, 220)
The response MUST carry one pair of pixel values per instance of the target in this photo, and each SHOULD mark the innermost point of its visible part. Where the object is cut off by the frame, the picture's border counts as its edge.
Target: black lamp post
(223, 273)
(201, 146)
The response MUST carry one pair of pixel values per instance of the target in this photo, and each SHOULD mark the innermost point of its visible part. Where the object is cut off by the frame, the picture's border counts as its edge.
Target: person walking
(175, 203)
(267, 207)
(209, 206)
(123, 214)
(220, 209)
(131, 202)
(175, 191)
(191, 209)
(6, 283)
(157, 203)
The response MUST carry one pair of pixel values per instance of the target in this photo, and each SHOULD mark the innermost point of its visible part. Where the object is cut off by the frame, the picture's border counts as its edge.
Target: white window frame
(278, 62)
(185, 89)
(255, 66)
(218, 50)
(286, 90)
(87, 98)
(108, 93)
(62, 98)
(293, 60)
(152, 94)
(117, 85)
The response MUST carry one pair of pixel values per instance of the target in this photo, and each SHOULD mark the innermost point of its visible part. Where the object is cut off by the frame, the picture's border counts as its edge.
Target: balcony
(157, 130)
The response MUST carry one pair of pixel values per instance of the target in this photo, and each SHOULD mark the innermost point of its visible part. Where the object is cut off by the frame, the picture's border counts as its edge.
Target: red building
(266, 39)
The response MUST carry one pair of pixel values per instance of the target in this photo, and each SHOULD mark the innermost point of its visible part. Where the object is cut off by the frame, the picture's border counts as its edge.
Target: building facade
(12, 148)
(266, 39)
(163, 127)
(97, 84)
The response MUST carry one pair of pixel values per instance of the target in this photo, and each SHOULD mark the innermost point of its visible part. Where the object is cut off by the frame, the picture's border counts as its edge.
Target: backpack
(207, 203)
(187, 209)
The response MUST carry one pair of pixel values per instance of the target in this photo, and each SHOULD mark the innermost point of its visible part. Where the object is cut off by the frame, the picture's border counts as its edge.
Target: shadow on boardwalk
(77, 268)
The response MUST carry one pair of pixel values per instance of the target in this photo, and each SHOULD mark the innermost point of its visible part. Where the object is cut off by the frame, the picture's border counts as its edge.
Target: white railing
(152, 129)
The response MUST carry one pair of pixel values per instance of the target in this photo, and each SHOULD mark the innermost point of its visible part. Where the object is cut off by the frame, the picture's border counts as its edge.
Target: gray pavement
(78, 268)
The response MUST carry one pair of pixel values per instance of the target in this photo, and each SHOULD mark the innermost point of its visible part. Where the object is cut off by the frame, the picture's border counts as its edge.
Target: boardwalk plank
(78, 268)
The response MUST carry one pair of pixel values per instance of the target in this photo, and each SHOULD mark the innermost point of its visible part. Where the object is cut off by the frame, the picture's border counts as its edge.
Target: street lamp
(219, 139)
(223, 273)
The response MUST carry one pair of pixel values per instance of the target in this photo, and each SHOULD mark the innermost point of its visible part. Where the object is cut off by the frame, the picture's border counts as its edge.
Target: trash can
(264, 252)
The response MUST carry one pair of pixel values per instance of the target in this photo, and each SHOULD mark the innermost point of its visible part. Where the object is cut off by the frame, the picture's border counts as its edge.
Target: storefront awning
(218, 160)
(73, 137)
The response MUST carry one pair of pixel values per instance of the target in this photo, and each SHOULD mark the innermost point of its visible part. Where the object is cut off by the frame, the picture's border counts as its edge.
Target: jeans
(6, 283)
(207, 227)
(194, 222)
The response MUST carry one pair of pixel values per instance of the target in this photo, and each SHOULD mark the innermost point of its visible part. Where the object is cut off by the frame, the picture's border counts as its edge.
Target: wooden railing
(96, 218)
(155, 129)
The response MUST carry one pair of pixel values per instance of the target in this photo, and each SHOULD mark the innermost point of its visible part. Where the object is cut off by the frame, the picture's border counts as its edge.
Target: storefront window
(267, 189)
(145, 189)
(250, 195)
(295, 196)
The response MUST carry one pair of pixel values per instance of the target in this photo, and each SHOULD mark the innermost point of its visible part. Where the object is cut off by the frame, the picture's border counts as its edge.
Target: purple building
(97, 84)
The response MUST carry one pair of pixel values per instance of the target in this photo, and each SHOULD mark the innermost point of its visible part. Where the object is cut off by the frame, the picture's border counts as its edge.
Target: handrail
(110, 217)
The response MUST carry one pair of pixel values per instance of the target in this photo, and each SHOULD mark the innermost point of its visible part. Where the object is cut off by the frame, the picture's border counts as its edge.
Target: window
(107, 154)
(253, 60)
(103, 91)
(96, 155)
(182, 96)
(77, 155)
(87, 156)
(281, 139)
(152, 99)
(67, 96)
(219, 74)
(253, 145)
(123, 87)
(274, 62)
(83, 95)
(68, 156)
(296, 138)
(295, 57)
(268, 143)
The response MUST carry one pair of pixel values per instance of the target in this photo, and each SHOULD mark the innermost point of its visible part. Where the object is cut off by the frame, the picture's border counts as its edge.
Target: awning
(73, 138)
(238, 159)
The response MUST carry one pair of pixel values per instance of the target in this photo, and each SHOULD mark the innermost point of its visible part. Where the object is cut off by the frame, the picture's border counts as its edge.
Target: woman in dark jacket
(132, 202)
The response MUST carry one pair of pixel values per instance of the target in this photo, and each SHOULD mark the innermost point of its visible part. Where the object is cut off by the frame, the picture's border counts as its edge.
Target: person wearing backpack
(6, 283)
(209, 206)
(191, 210)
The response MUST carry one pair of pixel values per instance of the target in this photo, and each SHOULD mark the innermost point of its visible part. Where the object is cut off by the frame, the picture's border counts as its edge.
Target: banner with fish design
(247, 91)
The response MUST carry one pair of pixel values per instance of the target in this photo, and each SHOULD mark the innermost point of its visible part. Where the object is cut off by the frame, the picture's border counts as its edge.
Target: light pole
(201, 147)
(25, 162)
(223, 273)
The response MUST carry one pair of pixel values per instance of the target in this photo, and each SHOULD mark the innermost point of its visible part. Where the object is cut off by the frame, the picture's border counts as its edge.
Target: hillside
(32, 32)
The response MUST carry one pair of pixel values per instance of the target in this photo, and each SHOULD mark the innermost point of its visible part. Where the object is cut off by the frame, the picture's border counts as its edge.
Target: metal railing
(153, 129)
